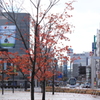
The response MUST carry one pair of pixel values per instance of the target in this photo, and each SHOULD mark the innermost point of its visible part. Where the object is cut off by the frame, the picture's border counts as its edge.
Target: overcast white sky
(86, 19)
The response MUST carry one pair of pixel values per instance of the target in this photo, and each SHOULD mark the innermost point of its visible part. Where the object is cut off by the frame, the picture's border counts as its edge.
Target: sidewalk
(22, 95)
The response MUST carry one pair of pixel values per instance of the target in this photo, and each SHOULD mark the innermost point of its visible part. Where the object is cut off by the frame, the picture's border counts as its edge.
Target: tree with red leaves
(48, 33)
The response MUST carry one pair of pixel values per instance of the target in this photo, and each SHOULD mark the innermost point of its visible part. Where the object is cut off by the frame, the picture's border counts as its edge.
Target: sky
(86, 19)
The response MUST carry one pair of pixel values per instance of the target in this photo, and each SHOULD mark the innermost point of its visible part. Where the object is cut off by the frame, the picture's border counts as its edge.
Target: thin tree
(47, 29)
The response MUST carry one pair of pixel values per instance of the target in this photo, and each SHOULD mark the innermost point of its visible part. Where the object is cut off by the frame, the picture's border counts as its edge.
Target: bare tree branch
(33, 4)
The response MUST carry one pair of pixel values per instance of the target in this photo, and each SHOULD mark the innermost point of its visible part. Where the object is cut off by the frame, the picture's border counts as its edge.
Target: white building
(81, 59)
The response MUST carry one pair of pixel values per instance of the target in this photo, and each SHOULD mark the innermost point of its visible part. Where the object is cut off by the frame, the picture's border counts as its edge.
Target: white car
(77, 84)
(87, 85)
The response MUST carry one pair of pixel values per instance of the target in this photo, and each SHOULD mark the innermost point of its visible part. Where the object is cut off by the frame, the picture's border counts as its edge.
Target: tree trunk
(25, 86)
(13, 84)
(53, 85)
(32, 87)
(2, 79)
(43, 89)
(34, 62)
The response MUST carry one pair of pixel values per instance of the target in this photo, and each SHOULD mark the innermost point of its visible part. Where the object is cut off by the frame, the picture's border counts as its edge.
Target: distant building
(79, 60)
(64, 68)
(70, 52)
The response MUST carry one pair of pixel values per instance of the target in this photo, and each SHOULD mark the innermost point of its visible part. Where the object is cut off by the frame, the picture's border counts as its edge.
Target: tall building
(13, 26)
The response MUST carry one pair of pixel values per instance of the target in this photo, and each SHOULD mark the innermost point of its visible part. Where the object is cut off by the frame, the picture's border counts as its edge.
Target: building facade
(97, 62)
(14, 29)
(81, 62)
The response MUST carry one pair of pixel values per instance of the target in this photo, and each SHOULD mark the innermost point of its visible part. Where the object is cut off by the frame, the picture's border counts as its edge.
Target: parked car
(86, 85)
(77, 84)
(81, 85)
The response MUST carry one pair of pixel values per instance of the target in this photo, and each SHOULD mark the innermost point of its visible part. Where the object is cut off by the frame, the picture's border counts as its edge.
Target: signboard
(72, 81)
(60, 76)
(7, 36)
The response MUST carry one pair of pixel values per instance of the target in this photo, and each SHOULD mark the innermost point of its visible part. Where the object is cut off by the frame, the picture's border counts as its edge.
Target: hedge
(68, 90)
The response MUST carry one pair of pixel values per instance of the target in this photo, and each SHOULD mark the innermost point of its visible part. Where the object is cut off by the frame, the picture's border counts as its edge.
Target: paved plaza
(22, 95)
